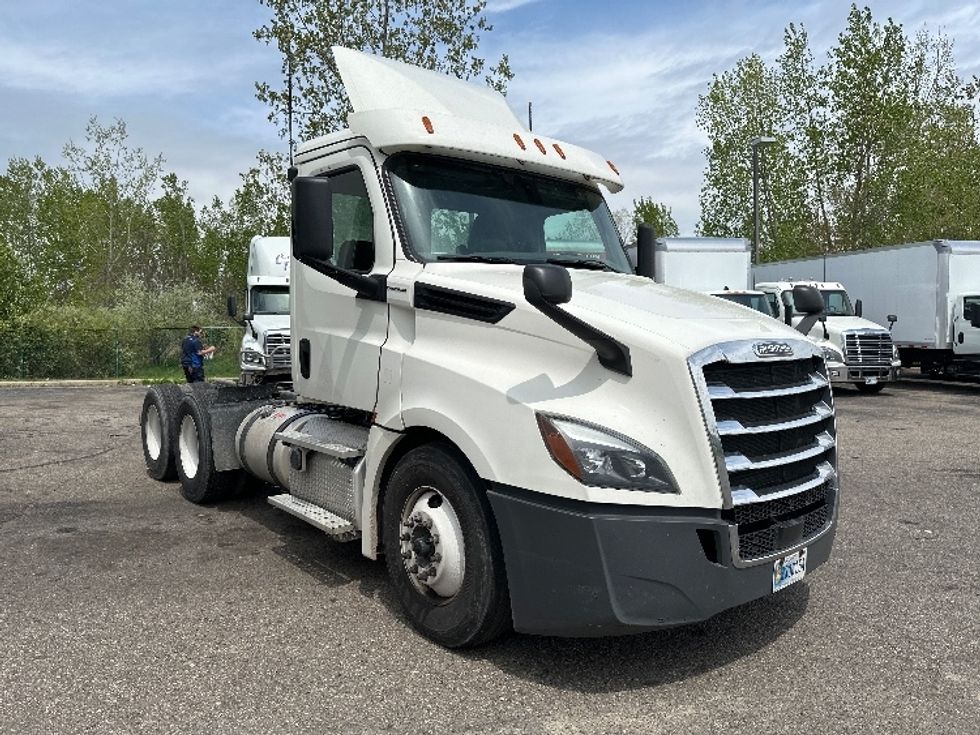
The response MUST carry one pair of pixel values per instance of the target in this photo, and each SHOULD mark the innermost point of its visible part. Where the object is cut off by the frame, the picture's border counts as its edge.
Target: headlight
(601, 458)
(832, 354)
(895, 355)
(253, 358)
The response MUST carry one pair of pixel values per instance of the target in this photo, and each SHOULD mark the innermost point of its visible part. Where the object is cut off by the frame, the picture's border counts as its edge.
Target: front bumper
(580, 569)
(841, 373)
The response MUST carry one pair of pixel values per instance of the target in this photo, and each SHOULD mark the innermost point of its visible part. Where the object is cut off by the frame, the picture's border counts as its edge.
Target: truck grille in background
(775, 423)
(868, 349)
(277, 348)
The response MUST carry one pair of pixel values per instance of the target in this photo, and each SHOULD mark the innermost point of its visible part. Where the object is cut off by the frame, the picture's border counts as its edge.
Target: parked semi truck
(529, 433)
(931, 289)
(857, 350)
(265, 350)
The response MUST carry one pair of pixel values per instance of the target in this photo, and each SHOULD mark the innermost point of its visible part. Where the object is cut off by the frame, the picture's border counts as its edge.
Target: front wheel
(865, 388)
(442, 550)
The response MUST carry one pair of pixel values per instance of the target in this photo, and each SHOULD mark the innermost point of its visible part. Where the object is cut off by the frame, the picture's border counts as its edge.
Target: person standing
(192, 353)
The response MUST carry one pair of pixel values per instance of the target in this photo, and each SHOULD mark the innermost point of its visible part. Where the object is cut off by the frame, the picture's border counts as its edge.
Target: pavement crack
(58, 461)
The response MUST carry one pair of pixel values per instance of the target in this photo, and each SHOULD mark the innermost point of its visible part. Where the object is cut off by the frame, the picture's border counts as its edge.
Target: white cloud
(502, 6)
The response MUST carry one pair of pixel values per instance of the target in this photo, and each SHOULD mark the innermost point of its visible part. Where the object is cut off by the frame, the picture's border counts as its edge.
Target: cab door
(966, 325)
(337, 336)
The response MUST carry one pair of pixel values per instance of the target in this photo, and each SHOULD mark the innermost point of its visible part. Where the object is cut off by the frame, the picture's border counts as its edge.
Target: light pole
(757, 142)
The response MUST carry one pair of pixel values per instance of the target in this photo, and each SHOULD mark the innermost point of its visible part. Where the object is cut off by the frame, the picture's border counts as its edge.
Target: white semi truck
(265, 350)
(928, 291)
(529, 434)
(857, 350)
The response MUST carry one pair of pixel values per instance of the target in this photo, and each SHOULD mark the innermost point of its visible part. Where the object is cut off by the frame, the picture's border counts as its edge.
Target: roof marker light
(540, 145)
(428, 125)
(613, 167)
(558, 150)
(520, 142)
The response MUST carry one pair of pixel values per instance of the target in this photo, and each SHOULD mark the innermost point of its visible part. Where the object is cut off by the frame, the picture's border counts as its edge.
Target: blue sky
(620, 76)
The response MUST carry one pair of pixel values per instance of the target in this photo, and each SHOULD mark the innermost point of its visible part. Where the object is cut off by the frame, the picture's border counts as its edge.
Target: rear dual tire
(200, 481)
(158, 430)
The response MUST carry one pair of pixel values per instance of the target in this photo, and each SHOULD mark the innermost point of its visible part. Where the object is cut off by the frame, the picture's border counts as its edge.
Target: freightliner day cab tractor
(265, 354)
(528, 432)
(857, 351)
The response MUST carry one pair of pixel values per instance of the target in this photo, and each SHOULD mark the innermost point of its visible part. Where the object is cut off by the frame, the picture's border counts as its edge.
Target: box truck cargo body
(932, 288)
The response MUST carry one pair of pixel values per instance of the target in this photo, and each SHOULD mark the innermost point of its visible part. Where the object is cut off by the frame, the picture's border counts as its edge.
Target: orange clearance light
(558, 448)
(540, 145)
(558, 150)
(519, 142)
(428, 125)
(613, 167)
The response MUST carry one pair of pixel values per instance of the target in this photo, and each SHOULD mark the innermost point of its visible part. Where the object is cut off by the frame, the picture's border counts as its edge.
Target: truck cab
(488, 397)
(265, 354)
(856, 350)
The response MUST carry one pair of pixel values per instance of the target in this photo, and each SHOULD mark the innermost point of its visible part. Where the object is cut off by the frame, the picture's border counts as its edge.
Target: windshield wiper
(475, 259)
(590, 263)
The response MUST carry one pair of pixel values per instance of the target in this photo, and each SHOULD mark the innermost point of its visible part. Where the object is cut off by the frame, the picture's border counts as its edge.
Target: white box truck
(528, 434)
(932, 289)
(265, 350)
(720, 266)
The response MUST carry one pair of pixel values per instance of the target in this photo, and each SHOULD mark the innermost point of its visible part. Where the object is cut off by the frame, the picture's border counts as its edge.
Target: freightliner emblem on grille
(772, 349)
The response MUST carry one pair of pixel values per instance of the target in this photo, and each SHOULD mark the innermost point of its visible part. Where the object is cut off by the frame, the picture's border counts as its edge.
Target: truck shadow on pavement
(588, 665)
(604, 665)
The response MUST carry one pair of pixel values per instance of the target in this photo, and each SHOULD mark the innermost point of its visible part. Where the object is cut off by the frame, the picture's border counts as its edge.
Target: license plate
(871, 381)
(789, 569)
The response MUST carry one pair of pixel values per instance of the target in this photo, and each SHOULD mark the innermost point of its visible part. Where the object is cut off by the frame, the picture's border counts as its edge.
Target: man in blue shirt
(192, 352)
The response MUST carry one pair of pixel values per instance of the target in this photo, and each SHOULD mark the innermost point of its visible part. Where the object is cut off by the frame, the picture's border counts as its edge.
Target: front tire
(442, 550)
(200, 482)
(158, 430)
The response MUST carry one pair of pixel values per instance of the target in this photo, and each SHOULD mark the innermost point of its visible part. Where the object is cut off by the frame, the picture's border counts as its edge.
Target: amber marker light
(427, 123)
(613, 167)
(540, 145)
(558, 150)
(558, 448)
(519, 142)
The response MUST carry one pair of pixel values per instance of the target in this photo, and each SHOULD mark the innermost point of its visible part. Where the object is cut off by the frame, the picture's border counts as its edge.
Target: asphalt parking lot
(124, 608)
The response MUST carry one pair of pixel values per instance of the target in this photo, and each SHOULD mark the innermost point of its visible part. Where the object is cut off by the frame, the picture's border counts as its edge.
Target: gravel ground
(123, 608)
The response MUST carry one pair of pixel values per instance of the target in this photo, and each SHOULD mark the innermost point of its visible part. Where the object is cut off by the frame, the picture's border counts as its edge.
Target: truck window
(460, 209)
(270, 300)
(353, 222)
(971, 307)
(836, 303)
(752, 300)
(773, 303)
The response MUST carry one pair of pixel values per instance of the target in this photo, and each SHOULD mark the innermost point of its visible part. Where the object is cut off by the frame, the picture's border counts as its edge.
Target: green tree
(877, 145)
(648, 212)
(435, 34)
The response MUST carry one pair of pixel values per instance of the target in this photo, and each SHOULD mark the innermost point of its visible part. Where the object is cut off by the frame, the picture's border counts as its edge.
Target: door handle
(960, 338)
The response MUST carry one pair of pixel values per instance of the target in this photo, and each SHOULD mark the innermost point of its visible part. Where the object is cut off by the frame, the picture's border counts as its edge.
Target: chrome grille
(773, 423)
(277, 348)
(867, 348)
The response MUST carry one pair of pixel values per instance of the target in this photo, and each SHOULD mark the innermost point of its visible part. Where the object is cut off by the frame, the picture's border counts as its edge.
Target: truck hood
(837, 325)
(626, 307)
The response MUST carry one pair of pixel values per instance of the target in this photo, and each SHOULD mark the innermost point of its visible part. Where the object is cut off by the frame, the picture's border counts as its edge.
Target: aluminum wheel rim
(154, 433)
(189, 450)
(431, 544)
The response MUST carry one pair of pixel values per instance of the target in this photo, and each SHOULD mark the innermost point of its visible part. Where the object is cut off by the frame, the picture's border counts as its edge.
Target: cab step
(331, 524)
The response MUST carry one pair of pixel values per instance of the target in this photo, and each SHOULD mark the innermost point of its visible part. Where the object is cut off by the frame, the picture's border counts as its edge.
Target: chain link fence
(149, 353)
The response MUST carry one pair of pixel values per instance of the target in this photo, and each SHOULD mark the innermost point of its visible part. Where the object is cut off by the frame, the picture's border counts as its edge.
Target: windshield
(270, 300)
(836, 303)
(756, 301)
(458, 210)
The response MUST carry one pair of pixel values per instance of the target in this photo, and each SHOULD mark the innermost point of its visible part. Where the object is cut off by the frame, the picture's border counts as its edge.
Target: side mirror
(892, 318)
(549, 284)
(232, 307)
(808, 300)
(645, 240)
(858, 308)
(312, 218)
